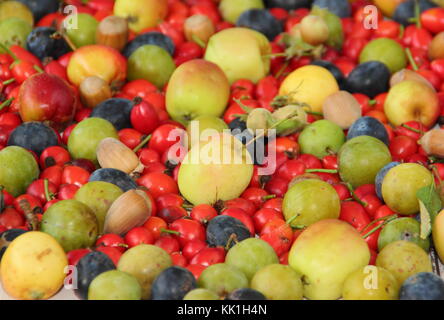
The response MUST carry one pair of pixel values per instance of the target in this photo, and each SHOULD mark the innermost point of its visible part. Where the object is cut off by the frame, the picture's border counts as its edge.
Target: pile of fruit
(333, 109)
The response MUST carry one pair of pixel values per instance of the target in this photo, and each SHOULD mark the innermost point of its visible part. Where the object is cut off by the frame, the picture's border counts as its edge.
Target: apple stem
(321, 170)
(142, 143)
(8, 51)
(436, 172)
(6, 103)
(68, 41)
(401, 31)
(355, 197)
(244, 107)
(386, 219)
(232, 238)
(282, 69)
(411, 60)
(162, 230)
(9, 81)
(292, 219)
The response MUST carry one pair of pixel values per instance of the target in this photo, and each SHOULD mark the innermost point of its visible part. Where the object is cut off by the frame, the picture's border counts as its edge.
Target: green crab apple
(141, 14)
(309, 201)
(99, 196)
(325, 254)
(412, 101)
(86, 136)
(209, 169)
(387, 51)
(400, 185)
(197, 88)
(202, 127)
(18, 169)
(232, 9)
(361, 158)
(85, 33)
(241, 53)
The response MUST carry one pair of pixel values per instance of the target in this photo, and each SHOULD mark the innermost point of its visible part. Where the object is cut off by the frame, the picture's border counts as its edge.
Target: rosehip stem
(411, 128)
(177, 233)
(48, 195)
(199, 42)
(314, 113)
(321, 170)
(38, 69)
(6, 82)
(411, 60)
(386, 219)
(6, 103)
(269, 197)
(292, 219)
(142, 143)
(355, 197)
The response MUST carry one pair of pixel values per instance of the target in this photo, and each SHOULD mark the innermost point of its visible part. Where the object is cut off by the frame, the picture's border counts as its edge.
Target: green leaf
(430, 204)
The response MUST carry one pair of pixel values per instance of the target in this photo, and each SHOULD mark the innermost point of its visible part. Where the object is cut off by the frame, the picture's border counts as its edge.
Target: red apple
(46, 97)
(97, 60)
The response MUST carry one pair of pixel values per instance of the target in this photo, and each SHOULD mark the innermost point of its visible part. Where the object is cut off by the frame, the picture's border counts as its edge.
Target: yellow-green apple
(141, 14)
(97, 60)
(438, 234)
(46, 97)
(412, 101)
(207, 173)
(232, 9)
(325, 254)
(400, 185)
(311, 85)
(241, 53)
(197, 88)
(204, 126)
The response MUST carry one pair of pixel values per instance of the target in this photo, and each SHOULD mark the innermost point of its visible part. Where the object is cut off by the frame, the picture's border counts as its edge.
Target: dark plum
(422, 286)
(406, 10)
(288, 4)
(115, 110)
(153, 38)
(225, 231)
(245, 294)
(45, 42)
(380, 177)
(6, 238)
(335, 71)
(173, 283)
(370, 78)
(41, 8)
(341, 8)
(256, 149)
(114, 176)
(260, 20)
(34, 136)
(368, 126)
(89, 267)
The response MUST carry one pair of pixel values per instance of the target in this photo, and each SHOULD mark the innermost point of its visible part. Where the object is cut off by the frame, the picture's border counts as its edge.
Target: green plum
(145, 262)
(114, 285)
(85, 33)
(99, 196)
(86, 136)
(151, 63)
(14, 31)
(361, 158)
(18, 169)
(251, 255)
(402, 229)
(232, 9)
(278, 282)
(321, 137)
(387, 51)
(71, 223)
(400, 185)
(309, 201)
(371, 283)
(201, 294)
(222, 279)
(404, 259)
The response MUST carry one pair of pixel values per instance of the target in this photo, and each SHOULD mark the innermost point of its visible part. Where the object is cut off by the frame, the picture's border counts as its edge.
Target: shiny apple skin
(97, 60)
(46, 97)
